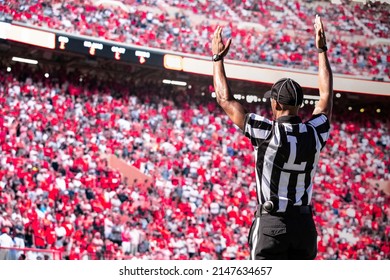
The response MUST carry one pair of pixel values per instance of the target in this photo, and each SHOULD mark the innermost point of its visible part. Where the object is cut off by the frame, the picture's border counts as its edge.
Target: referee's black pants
(283, 236)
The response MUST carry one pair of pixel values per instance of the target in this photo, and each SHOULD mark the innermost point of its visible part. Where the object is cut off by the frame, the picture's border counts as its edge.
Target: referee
(286, 152)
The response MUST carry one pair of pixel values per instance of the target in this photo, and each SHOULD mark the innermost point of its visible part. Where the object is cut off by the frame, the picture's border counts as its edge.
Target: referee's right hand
(320, 33)
(217, 45)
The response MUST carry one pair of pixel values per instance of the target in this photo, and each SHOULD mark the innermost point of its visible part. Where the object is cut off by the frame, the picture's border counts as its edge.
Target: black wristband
(217, 57)
(323, 49)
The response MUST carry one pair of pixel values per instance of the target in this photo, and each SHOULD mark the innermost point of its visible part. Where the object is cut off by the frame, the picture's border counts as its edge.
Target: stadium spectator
(7, 242)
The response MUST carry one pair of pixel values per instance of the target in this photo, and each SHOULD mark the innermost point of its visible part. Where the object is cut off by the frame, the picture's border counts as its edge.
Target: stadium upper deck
(277, 33)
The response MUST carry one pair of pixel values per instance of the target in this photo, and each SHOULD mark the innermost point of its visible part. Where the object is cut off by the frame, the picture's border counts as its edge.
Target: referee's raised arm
(225, 98)
(325, 77)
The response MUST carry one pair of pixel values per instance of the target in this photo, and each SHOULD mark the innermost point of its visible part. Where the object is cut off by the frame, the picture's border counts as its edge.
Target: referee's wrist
(322, 49)
(217, 57)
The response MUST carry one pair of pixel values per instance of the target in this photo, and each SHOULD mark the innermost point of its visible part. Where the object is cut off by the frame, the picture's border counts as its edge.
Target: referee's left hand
(217, 45)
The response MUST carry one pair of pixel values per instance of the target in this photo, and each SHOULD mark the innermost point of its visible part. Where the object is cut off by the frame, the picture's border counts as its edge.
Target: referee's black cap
(286, 91)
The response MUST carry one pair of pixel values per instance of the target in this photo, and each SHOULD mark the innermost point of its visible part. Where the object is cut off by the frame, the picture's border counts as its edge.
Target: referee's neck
(280, 110)
(286, 113)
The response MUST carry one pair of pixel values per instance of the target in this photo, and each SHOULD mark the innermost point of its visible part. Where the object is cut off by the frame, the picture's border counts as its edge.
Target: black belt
(291, 209)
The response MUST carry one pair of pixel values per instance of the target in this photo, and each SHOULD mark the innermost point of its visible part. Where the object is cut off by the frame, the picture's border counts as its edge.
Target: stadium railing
(14, 253)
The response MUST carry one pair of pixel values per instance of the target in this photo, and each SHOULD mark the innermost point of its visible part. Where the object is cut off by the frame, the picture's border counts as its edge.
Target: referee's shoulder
(257, 117)
(317, 119)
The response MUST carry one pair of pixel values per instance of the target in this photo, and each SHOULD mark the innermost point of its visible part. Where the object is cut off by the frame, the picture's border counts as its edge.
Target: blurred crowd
(57, 191)
(277, 33)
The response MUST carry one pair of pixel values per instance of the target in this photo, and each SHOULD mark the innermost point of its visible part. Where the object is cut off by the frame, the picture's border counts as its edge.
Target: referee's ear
(278, 106)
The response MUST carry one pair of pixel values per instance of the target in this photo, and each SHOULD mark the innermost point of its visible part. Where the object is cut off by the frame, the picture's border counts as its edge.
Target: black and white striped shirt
(286, 153)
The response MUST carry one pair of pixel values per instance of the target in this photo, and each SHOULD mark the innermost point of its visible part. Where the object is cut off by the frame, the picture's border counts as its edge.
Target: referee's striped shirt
(286, 153)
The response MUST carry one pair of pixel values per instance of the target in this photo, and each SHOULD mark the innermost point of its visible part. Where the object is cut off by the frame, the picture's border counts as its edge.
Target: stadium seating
(375, 16)
(57, 192)
(268, 32)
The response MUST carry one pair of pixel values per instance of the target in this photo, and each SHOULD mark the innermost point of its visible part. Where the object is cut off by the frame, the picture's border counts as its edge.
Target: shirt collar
(289, 119)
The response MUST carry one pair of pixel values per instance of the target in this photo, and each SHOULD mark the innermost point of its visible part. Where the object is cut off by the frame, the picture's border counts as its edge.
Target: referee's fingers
(321, 26)
(220, 32)
(217, 32)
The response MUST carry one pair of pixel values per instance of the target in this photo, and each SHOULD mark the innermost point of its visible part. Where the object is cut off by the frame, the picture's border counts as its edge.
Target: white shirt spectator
(191, 244)
(187, 191)
(214, 208)
(6, 240)
(124, 124)
(60, 183)
(108, 224)
(60, 231)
